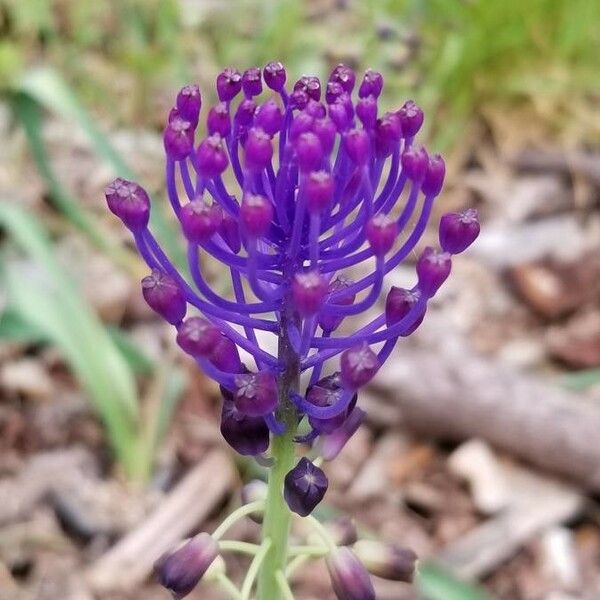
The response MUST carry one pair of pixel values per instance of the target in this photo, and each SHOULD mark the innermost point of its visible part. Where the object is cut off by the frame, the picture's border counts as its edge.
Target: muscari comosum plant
(323, 187)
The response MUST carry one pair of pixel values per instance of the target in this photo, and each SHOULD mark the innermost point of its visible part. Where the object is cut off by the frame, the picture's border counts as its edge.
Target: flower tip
(200, 220)
(358, 366)
(458, 230)
(256, 214)
(308, 292)
(211, 156)
(188, 103)
(164, 296)
(218, 120)
(357, 145)
(433, 268)
(229, 83)
(304, 487)
(181, 570)
(388, 561)
(319, 191)
(255, 393)
(372, 84)
(411, 118)
(381, 233)
(434, 176)
(128, 201)
(258, 149)
(197, 336)
(398, 304)
(349, 578)
(414, 163)
(274, 75)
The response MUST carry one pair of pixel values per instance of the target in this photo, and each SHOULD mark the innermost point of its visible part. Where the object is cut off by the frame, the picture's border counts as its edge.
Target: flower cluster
(326, 186)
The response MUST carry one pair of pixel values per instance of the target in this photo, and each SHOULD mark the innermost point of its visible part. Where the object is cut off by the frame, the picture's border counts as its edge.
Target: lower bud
(180, 570)
(304, 487)
(254, 491)
(388, 561)
(349, 578)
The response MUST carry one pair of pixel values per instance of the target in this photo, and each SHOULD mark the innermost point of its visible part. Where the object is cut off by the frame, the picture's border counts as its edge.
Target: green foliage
(434, 583)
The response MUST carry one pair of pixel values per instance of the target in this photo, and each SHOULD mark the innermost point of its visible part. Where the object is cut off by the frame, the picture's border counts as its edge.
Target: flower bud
(230, 232)
(329, 321)
(358, 366)
(434, 176)
(258, 149)
(218, 120)
(349, 578)
(229, 83)
(226, 356)
(310, 85)
(256, 393)
(309, 152)
(345, 76)
(326, 392)
(458, 230)
(164, 296)
(433, 268)
(304, 487)
(212, 157)
(388, 561)
(387, 134)
(301, 124)
(200, 220)
(256, 214)
(248, 436)
(178, 139)
(252, 82)
(342, 531)
(315, 109)
(128, 201)
(326, 131)
(254, 491)
(371, 85)
(356, 142)
(299, 99)
(398, 303)
(181, 570)
(308, 292)
(188, 104)
(411, 118)
(333, 443)
(381, 233)
(269, 117)
(244, 115)
(366, 111)
(275, 76)
(319, 191)
(197, 336)
(414, 163)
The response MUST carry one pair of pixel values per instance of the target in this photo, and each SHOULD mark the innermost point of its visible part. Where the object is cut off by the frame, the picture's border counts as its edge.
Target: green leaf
(582, 379)
(138, 361)
(13, 328)
(434, 583)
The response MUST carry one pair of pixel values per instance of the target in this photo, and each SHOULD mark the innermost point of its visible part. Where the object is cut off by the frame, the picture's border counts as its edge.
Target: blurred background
(482, 446)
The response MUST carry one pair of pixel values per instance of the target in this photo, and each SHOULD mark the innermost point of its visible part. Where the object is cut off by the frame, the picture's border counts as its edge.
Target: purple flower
(324, 183)
(349, 578)
(304, 487)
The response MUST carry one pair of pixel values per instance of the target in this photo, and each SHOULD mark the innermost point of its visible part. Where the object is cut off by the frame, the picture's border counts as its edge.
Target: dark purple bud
(229, 83)
(128, 201)
(178, 139)
(381, 233)
(275, 76)
(339, 115)
(256, 214)
(330, 321)
(411, 118)
(248, 436)
(197, 336)
(342, 530)
(414, 163)
(434, 176)
(327, 392)
(258, 149)
(366, 111)
(212, 157)
(316, 109)
(254, 491)
(230, 232)
(458, 230)
(164, 296)
(319, 191)
(173, 114)
(333, 443)
(371, 85)
(308, 292)
(200, 220)
(252, 82)
(349, 578)
(345, 76)
(188, 103)
(269, 117)
(358, 366)
(333, 92)
(302, 123)
(244, 115)
(309, 152)
(433, 268)
(398, 303)
(299, 99)
(181, 570)
(226, 356)
(358, 147)
(218, 120)
(310, 85)
(388, 561)
(326, 131)
(387, 134)
(256, 393)
(304, 487)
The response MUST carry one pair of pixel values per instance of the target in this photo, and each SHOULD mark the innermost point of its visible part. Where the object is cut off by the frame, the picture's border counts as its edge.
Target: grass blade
(434, 583)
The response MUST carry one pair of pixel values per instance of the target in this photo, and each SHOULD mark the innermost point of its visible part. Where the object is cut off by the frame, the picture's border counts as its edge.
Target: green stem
(254, 568)
(284, 586)
(239, 547)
